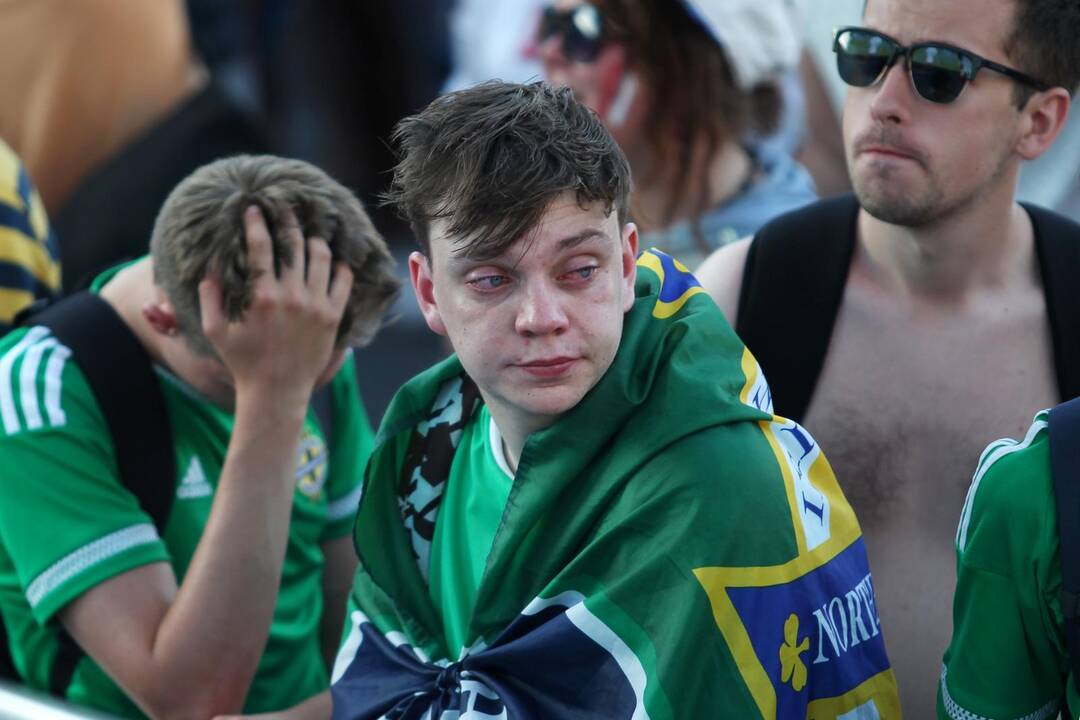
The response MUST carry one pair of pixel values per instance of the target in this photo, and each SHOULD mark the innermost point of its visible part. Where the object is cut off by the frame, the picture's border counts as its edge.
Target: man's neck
(988, 244)
(515, 431)
(128, 291)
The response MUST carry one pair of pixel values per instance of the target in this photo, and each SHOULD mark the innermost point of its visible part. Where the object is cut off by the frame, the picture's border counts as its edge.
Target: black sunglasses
(939, 72)
(581, 30)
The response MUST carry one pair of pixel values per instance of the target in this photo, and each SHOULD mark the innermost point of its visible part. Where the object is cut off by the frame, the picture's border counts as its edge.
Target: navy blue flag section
(556, 660)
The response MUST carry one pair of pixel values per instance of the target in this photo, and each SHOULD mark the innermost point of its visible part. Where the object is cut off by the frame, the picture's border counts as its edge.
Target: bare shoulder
(721, 276)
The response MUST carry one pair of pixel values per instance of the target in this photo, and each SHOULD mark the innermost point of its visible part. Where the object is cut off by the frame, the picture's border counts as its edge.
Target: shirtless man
(944, 296)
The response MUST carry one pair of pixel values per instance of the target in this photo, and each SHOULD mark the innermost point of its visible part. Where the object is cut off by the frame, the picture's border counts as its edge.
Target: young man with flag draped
(589, 511)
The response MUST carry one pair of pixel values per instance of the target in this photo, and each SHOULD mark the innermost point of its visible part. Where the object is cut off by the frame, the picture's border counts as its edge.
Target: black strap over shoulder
(1057, 247)
(1064, 428)
(121, 376)
(793, 284)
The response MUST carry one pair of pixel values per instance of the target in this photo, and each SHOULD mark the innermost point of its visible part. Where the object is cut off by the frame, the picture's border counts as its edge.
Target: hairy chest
(905, 405)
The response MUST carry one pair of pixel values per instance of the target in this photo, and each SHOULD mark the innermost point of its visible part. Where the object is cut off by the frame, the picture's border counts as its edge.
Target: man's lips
(548, 367)
(886, 151)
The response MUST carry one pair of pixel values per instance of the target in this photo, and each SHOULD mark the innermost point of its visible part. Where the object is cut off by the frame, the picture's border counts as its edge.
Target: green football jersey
(1008, 657)
(67, 523)
(472, 508)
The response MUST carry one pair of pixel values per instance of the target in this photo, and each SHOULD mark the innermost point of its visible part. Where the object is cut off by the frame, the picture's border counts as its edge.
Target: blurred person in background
(110, 107)
(687, 88)
(29, 266)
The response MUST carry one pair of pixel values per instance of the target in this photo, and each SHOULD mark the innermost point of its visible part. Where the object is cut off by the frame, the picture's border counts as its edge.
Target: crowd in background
(127, 98)
(729, 118)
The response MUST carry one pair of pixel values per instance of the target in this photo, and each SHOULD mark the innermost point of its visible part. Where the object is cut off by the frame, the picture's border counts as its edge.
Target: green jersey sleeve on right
(1007, 658)
(66, 522)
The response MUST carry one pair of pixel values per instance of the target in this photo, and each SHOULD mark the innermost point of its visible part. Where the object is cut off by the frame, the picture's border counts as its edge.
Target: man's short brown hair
(1045, 43)
(200, 230)
(492, 158)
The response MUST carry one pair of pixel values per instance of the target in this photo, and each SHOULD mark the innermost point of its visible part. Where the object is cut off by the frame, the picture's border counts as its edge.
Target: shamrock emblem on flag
(792, 668)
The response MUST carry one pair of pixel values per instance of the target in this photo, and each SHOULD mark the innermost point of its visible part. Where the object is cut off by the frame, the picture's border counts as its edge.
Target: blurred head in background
(682, 85)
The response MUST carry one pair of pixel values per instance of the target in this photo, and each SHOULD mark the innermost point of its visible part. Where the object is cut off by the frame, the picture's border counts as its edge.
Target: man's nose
(893, 95)
(542, 310)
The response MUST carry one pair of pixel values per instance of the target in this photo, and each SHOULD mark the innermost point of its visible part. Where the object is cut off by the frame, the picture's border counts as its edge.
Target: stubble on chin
(883, 197)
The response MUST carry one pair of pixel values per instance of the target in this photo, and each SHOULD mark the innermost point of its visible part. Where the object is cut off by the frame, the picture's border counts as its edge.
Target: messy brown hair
(200, 229)
(490, 159)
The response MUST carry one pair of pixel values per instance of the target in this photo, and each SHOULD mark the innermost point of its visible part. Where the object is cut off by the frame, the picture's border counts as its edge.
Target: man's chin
(895, 208)
(547, 405)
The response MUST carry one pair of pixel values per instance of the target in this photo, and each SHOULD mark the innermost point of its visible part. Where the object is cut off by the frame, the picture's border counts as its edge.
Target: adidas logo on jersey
(194, 484)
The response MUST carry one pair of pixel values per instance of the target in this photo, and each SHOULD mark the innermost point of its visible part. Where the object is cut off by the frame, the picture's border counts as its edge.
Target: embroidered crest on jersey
(677, 284)
(311, 459)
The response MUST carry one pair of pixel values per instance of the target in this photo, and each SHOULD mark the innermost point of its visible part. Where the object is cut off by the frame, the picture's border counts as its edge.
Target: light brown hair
(200, 230)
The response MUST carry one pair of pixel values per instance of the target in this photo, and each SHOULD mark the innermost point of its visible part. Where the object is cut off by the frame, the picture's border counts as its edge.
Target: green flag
(669, 549)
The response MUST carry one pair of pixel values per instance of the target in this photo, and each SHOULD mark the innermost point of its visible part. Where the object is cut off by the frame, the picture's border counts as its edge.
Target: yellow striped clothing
(29, 253)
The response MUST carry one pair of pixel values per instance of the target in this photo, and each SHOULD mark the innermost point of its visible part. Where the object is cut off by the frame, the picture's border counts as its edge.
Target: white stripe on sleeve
(28, 382)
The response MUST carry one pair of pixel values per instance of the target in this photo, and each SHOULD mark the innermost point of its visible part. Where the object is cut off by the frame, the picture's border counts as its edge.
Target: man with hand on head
(263, 273)
(881, 319)
(589, 511)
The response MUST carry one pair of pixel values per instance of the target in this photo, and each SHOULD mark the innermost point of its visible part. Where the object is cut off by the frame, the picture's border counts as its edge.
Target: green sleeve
(1007, 658)
(350, 447)
(66, 522)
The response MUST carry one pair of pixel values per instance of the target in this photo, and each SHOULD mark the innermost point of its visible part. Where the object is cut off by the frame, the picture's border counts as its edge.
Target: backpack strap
(120, 374)
(1057, 247)
(1064, 429)
(792, 286)
(127, 391)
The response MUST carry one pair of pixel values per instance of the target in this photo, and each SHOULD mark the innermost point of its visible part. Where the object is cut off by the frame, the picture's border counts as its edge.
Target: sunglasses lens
(581, 30)
(862, 56)
(939, 73)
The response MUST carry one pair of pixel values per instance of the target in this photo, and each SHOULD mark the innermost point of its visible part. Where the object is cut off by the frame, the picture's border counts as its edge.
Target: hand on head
(285, 338)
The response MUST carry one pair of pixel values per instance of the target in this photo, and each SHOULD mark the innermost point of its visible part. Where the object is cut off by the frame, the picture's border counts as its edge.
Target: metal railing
(20, 703)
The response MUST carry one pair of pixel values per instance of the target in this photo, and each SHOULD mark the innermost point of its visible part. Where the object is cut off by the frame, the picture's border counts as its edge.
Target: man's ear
(160, 315)
(629, 263)
(424, 287)
(1043, 118)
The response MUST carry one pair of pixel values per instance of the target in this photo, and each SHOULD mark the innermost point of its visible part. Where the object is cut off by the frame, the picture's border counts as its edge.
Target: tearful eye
(582, 273)
(489, 282)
